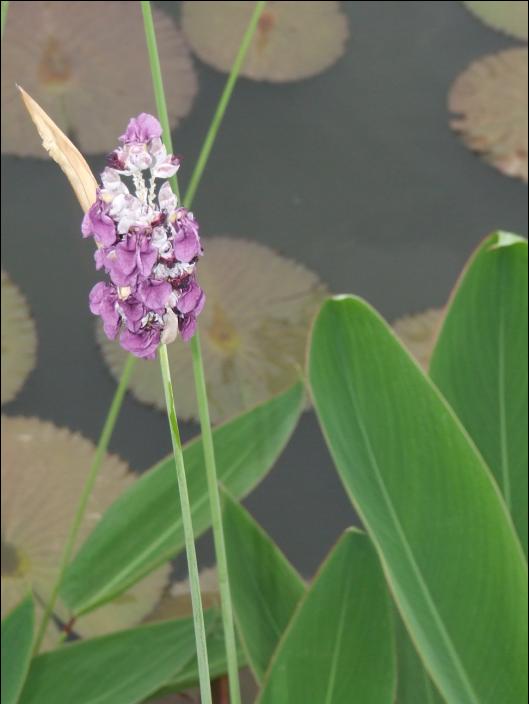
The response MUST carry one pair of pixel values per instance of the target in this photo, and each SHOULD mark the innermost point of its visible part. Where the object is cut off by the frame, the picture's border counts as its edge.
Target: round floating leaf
(490, 99)
(19, 340)
(87, 66)
(43, 471)
(254, 330)
(508, 16)
(294, 40)
(419, 332)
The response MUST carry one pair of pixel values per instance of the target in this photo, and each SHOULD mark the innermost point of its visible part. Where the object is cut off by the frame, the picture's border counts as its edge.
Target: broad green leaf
(339, 645)
(446, 541)
(265, 588)
(17, 644)
(143, 528)
(122, 668)
(480, 363)
(414, 684)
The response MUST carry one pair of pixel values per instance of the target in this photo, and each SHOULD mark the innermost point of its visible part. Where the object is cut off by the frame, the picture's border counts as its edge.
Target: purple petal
(191, 299)
(141, 344)
(187, 326)
(142, 129)
(154, 294)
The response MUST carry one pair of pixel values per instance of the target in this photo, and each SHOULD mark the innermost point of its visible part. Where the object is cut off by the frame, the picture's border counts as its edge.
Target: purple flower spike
(146, 243)
(99, 225)
(141, 129)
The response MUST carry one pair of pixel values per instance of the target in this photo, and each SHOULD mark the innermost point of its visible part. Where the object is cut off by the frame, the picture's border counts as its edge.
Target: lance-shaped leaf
(17, 644)
(122, 668)
(480, 363)
(143, 528)
(339, 645)
(429, 502)
(63, 152)
(265, 587)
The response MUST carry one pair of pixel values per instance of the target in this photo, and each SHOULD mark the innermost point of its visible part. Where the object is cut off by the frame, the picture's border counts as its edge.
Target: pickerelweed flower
(146, 242)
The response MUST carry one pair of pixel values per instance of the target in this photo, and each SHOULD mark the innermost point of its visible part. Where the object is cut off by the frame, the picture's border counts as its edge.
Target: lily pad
(293, 40)
(43, 471)
(490, 101)
(509, 16)
(19, 340)
(87, 66)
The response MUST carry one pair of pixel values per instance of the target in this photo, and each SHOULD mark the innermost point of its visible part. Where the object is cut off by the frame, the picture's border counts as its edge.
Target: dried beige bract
(87, 66)
(254, 329)
(490, 101)
(63, 152)
(419, 333)
(19, 340)
(294, 40)
(508, 16)
(43, 471)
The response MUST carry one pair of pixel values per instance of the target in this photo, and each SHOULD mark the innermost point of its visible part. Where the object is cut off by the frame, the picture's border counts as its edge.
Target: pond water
(354, 173)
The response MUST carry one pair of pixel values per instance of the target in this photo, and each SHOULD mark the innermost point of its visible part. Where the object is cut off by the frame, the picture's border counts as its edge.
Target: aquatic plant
(427, 603)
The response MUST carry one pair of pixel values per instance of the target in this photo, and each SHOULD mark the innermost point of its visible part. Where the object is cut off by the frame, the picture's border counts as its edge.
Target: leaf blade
(265, 587)
(17, 643)
(428, 502)
(150, 507)
(479, 363)
(95, 671)
(339, 644)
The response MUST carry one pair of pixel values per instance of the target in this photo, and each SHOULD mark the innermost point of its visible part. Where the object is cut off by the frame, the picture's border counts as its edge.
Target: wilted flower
(147, 243)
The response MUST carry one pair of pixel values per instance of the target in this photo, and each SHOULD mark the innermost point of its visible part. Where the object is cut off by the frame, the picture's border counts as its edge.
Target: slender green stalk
(194, 580)
(157, 83)
(223, 104)
(93, 472)
(196, 352)
(5, 7)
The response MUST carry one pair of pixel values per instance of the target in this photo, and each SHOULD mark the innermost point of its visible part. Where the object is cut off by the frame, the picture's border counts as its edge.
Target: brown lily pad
(88, 68)
(43, 472)
(19, 340)
(490, 101)
(293, 40)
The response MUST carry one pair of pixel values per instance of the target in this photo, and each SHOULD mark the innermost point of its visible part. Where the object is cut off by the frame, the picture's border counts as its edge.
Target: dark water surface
(355, 173)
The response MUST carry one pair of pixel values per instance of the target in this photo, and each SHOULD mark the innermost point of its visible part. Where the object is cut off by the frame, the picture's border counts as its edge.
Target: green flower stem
(5, 7)
(93, 472)
(198, 366)
(223, 104)
(194, 580)
(157, 83)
